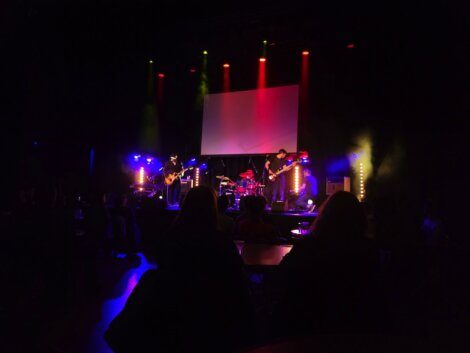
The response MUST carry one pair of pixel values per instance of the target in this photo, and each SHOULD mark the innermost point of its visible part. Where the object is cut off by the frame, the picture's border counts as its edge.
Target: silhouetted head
(341, 217)
(223, 203)
(199, 210)
(255, 206)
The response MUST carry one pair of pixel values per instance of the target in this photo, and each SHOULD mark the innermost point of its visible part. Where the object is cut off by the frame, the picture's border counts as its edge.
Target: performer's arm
(266, 165)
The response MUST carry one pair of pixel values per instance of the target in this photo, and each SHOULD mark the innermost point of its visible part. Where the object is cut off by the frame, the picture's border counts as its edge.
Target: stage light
(149, 160)
(160, 197)
(310, 202)
(192, 70)
(226, 65)
(361, 185)
(205, 52)
(265, 41)
(296, 179)
(360, 159)
(305, 53)
(150, 61)
(136, 157)
(141, 176)
(160, 75)
(196, 177)
(350, 46)
(262, 60)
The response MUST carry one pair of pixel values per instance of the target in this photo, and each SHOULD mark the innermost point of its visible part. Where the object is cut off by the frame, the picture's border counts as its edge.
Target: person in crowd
(330, 278)
(226, 223)
(198, 299)
(252, 228)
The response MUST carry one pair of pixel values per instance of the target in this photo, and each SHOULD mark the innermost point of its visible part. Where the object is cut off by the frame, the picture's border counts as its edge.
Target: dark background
(74, 77)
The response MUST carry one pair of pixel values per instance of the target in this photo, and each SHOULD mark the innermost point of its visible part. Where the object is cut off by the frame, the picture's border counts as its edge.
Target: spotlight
(226, 65)
(160, 197)
(150, 61)
(205, 52)
(265, 41)
(310, 202)
(262, 60)
(160, 75)
(305, 53)
(350, 46)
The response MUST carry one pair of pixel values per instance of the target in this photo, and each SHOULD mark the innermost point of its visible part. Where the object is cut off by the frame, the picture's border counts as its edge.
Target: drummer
(246, 178)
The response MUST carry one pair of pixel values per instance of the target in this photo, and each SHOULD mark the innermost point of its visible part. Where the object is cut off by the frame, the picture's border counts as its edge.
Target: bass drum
(240, 190)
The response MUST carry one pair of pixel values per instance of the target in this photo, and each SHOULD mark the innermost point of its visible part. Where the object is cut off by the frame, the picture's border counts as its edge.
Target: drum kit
(246, 185)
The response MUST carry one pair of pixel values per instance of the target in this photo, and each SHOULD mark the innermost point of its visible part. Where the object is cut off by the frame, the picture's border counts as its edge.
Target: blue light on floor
(113, 306)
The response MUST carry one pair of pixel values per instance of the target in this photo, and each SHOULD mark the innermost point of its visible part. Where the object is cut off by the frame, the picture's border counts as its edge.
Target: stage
(285, 222)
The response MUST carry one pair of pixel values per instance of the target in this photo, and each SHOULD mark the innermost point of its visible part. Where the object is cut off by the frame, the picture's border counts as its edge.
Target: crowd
(337, 279)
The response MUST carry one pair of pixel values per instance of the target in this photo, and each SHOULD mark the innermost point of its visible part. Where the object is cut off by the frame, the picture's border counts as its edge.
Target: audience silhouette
(330, 278)
(198, 299)
(252, 228)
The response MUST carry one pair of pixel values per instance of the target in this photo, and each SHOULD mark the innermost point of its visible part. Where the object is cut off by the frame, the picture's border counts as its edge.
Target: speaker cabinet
(337, 184)
(279, 206)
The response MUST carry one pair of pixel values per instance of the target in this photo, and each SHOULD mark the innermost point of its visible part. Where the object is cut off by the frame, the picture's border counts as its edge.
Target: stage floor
(288, 223)
(236, 212)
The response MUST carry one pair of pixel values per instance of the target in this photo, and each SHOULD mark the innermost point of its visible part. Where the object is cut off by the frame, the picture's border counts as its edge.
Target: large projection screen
(250, 122)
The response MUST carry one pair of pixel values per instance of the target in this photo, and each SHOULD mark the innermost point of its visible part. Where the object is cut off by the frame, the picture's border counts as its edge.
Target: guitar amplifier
(186, 185)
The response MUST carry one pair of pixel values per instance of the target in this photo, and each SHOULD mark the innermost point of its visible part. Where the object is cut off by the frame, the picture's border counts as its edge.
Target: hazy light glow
(305, 52)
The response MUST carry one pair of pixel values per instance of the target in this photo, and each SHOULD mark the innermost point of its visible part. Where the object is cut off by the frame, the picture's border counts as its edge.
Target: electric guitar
(170, 178)
(272, 177)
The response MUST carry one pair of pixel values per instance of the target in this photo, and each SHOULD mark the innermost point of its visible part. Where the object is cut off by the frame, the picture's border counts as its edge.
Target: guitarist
(272, 165)
(173, 166)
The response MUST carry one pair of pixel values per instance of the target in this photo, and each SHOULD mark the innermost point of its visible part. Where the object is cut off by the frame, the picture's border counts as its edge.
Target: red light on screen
(160, 75)
(262, 60)
(305, 53)
(350, 46)
(226, 65)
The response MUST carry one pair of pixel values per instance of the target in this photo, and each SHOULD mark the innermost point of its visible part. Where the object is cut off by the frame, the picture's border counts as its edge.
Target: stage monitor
(258, 121)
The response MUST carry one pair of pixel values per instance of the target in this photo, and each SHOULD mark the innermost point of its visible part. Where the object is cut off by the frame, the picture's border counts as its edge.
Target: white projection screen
(258, 121)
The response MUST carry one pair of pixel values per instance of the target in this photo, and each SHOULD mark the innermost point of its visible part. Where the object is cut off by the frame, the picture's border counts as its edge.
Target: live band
(272, 184)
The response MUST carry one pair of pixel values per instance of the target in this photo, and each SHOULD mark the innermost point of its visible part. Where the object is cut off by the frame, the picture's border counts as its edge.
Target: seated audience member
(198, 299)
(252, 228)
(308, 191)
(330, 278)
